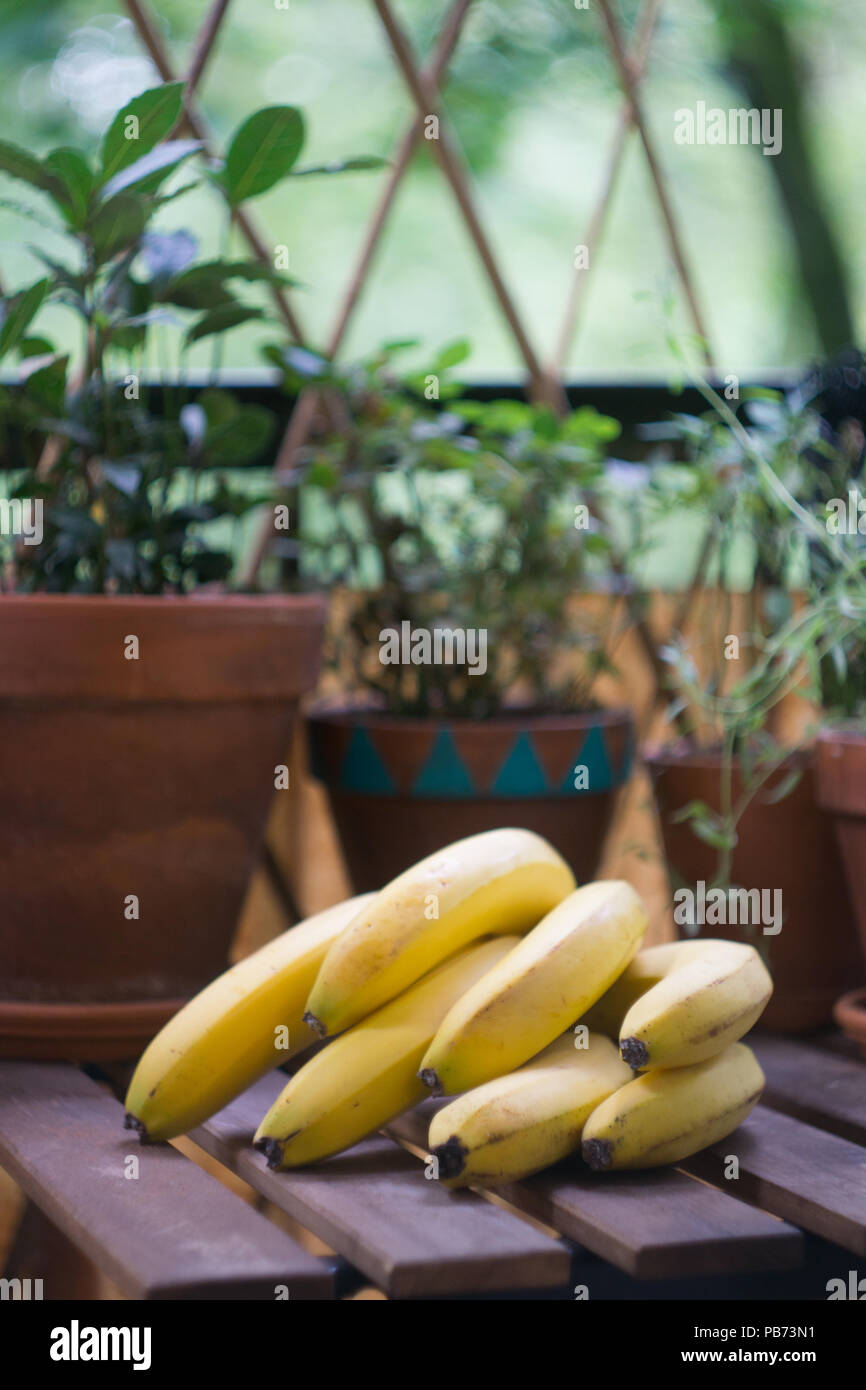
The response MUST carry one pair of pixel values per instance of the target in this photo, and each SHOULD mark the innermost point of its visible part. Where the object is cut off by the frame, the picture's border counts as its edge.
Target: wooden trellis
(425, 86)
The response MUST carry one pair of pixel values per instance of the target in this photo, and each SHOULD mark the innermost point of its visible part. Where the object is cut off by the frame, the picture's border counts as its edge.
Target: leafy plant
(780, 472)
(457, 514)
(131, 480)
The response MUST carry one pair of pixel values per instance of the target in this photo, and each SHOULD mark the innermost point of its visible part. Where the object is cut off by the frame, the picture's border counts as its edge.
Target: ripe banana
(369, 1074)
(665, 1116)
(226, 1037)
(498, 882)
(683, 1002)
(548, 980)
(519, 1124)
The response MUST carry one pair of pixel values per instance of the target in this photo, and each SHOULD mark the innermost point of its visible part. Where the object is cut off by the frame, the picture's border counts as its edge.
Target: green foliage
(127, 501)
(776, 467)
(471, 516)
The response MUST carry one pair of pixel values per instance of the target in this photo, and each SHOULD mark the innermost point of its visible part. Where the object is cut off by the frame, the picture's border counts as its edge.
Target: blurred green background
(775, 244)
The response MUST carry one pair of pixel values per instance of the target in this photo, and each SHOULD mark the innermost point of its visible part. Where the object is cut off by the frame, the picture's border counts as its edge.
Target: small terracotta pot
(840, 763)
(143, 779)
(401, 788)
(789, 846)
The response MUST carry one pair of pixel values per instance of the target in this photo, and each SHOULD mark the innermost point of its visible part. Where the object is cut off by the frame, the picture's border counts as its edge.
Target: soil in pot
(399, 789)
(787, 846)
(135, 794)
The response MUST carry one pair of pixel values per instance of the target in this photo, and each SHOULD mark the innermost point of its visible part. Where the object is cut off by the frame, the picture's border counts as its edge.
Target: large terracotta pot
(786, 845)
(143, 779)
(401, 788)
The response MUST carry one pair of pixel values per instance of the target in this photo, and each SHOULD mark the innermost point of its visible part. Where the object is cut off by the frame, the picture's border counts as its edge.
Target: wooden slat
(801, 1173)
(373, 1205)
(653, 1225)
(815, 1085)
(173, 1232)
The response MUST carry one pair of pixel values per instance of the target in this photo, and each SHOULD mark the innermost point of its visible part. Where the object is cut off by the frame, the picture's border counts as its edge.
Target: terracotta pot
(401, 788)
(840, 764)
(788, 846)
(124, 779)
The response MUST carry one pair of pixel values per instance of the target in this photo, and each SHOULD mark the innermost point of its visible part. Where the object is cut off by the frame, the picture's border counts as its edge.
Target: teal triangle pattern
(444, 773)
(363, 769)
(624, 770)
(593, 756)
(521, 774)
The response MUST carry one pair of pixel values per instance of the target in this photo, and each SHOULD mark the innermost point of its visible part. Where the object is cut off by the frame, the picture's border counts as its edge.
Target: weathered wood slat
(172, 1232)
(796, 1171)
(654, 1225)
(814, 1085)
(374, 1207)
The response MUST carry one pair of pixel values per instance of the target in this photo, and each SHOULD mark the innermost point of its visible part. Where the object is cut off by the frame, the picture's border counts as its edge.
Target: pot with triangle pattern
(399, 787)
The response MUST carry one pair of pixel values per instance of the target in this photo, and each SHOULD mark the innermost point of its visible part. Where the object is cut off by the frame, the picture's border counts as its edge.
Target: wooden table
(161, 1227)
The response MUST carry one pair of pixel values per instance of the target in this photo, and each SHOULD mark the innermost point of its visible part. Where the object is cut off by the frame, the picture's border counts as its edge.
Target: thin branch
(304, 410)
(204, 43)
(427, 100)
(625, 125)
(630, 87)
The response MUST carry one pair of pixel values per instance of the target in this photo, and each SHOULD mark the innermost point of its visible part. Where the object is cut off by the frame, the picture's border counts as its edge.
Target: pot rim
(847, 731)
(314, 603)
(350, 714)
(672, 755)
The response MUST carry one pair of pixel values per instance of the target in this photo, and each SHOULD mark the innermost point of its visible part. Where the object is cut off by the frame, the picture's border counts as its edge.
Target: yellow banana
(548, 980)
(369, 1074)
(686, 1001)
(519, 1124)
(498, 882)
(227, 1036)
(665, 1116)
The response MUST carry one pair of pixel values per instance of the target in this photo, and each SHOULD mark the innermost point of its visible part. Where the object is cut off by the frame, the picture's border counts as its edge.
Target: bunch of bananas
(482, 970)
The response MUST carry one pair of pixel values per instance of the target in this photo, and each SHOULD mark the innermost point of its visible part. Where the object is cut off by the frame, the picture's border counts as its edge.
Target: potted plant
(457, 538)
(737, 803)
(145, 712)
(841, 743)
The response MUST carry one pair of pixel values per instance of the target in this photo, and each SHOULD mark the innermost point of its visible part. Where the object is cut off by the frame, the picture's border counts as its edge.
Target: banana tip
(597, 1153)
(130, 1121)
(272, 1150)
(635, 1054)
(316, 1025)
(431, 1080)
(451, 1158)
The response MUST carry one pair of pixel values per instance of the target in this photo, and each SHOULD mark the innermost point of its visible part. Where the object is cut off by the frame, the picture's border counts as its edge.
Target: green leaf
(33, 346)
(452, 355)
(147, 173)
(220, 319)
(20, 310)
(139, 126)
(46, 385)
(204, 286)
(783, 788)
(76, 182)
(20, 164)
(343, 166)
(117, 225)
(241, 438)
(262, 152)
